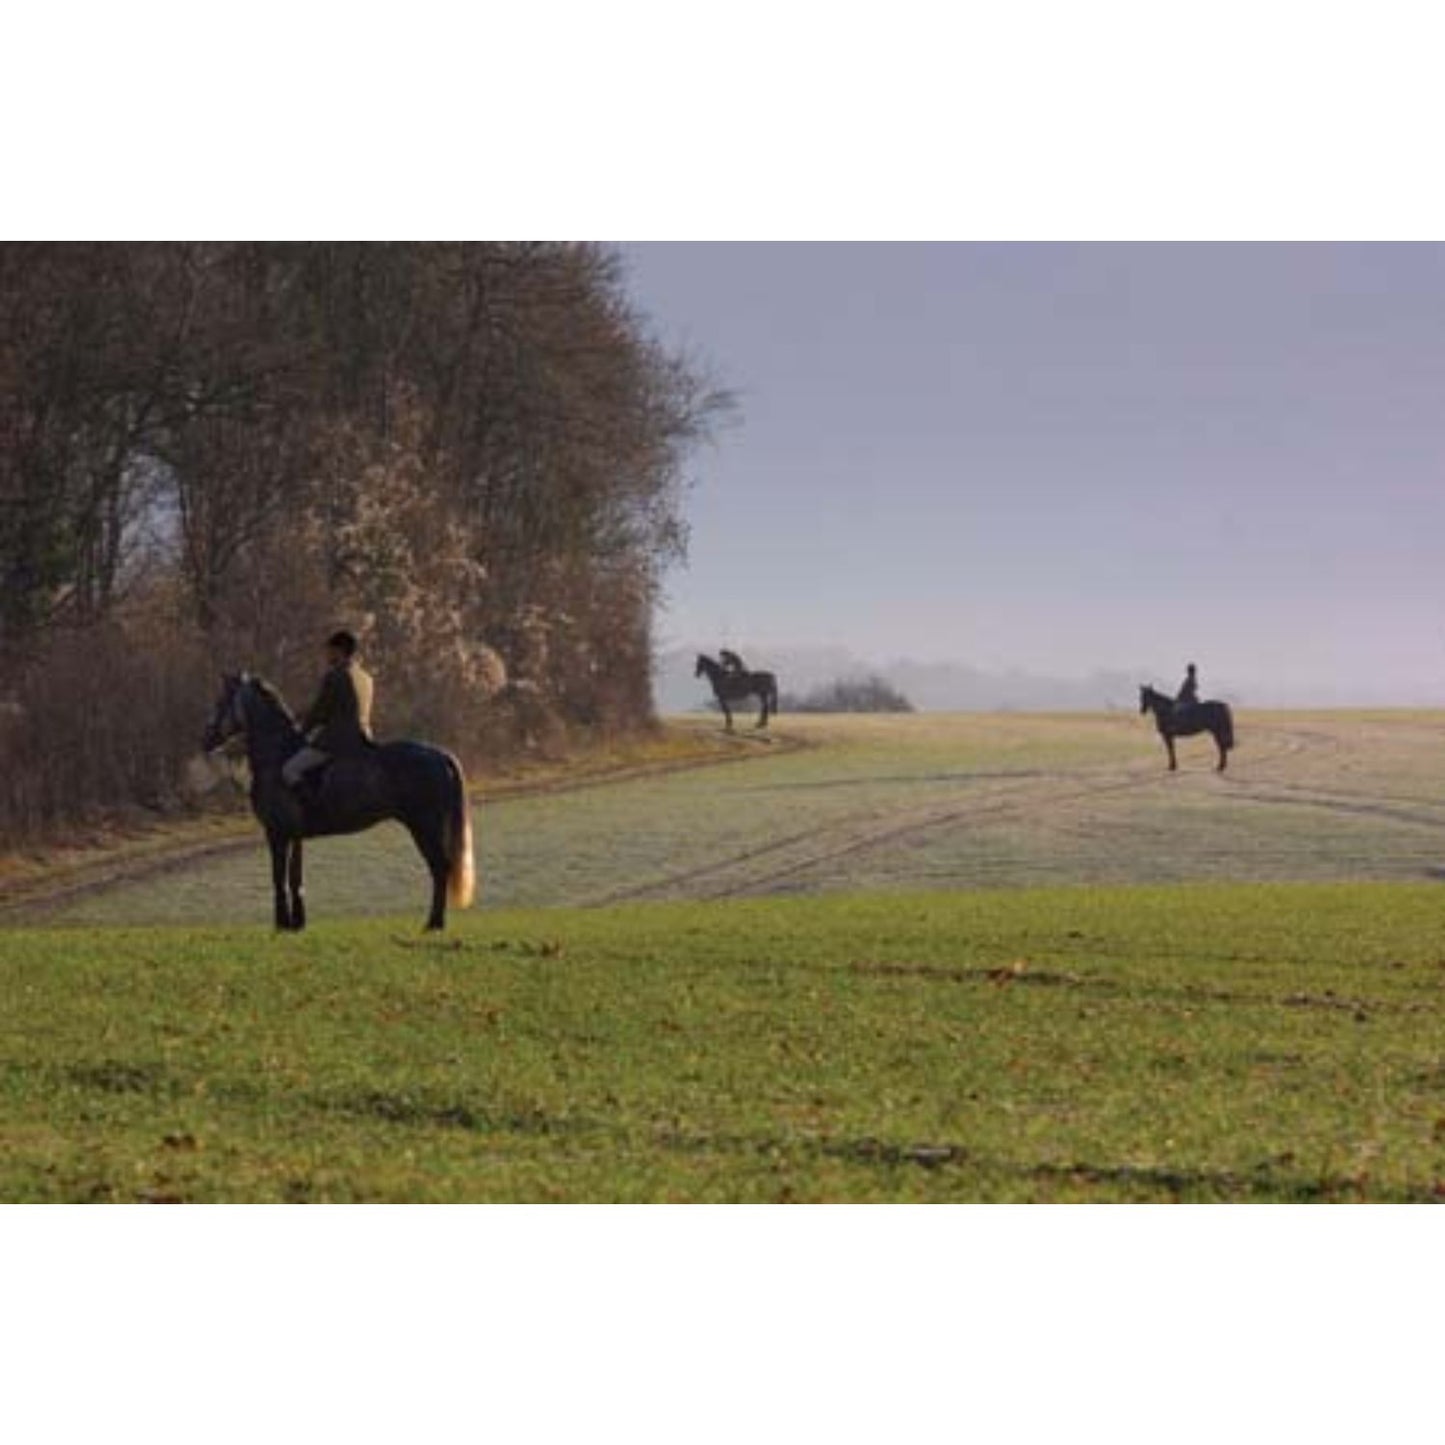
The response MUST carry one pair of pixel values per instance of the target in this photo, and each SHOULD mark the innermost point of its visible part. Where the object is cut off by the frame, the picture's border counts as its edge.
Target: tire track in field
(1034, 804)
(857, 833)
(827, 842)
(1326, 747)
(1364, 805)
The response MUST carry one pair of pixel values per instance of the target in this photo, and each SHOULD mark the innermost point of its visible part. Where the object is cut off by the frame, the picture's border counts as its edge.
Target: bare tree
(475, 452)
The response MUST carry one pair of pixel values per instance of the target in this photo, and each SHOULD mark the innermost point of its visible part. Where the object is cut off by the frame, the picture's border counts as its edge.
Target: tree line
(211, 453)
(848, 694)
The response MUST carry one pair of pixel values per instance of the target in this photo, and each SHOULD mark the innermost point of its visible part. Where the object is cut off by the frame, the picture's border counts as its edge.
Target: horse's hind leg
(1223, 755)
(429, 845)
(436, 920)
(297, 889)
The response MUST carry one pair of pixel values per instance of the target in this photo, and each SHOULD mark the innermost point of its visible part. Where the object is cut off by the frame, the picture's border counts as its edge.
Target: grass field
(927, 958)
(860, 804)
(1205, 1042)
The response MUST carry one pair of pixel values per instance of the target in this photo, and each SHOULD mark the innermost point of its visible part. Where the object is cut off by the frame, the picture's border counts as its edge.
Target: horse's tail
(1226, 727)
(461, 874)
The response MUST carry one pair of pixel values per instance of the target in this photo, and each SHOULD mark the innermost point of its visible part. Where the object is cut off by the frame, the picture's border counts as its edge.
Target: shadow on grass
(1264, 1184)
(960, 1170)
(419, 1110)
(113, 1076)
(1024, 973)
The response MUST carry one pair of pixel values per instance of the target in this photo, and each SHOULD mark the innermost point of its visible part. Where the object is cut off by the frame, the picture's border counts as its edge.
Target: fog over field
(1035, 469)
(958, 687)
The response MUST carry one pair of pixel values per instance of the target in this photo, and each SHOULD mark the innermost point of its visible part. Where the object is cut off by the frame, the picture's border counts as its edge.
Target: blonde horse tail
(461, 872)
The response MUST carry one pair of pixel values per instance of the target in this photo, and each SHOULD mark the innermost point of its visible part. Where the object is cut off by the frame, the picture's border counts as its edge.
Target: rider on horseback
(338, 723)
(731, 662)
(1188, 694)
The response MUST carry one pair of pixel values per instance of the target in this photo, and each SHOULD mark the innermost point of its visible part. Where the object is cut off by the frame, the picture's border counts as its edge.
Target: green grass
(803, 985)
(1202, 1042)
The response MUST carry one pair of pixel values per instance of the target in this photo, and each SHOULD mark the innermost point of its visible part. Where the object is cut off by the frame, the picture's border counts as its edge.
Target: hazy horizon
(1069, 459)
(956, 685)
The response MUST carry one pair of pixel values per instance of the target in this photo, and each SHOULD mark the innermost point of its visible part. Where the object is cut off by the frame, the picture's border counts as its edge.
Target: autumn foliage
(212, 454)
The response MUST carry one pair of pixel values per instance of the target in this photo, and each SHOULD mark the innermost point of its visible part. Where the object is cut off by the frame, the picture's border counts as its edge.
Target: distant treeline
(857, 694)
(213, 454)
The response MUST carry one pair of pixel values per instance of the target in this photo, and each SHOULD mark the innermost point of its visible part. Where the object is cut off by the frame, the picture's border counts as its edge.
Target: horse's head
(1145, 693)
(701, 667)
(229, 718)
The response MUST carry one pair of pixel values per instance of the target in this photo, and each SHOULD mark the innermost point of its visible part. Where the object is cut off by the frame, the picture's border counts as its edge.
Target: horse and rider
(1184, 714)
(327, 775)
(733, 681)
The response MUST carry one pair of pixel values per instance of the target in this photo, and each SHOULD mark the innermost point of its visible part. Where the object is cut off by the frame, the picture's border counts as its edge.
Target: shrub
(861, 694)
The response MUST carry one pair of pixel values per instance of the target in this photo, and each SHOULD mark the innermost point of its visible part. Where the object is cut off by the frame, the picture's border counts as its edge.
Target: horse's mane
(272, 697)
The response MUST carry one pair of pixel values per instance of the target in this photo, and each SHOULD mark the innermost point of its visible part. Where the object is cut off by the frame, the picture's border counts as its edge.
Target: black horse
(1182, 721)
(422, 787)
(736, 686)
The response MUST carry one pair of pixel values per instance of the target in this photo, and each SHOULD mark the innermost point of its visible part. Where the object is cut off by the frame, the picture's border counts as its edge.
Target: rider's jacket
(339, 721)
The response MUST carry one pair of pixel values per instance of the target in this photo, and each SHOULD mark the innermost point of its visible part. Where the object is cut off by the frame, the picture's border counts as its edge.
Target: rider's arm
(321, 711)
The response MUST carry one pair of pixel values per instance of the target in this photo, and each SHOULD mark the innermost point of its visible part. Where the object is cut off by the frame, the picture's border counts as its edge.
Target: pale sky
(1062, 458)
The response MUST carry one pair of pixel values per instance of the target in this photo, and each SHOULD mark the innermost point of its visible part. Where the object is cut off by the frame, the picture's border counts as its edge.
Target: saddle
(310, 791)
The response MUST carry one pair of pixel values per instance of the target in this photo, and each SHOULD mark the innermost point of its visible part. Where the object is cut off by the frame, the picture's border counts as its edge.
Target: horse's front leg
(1173, 761)
(727, 715)
(279, 845)
(296, 886)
